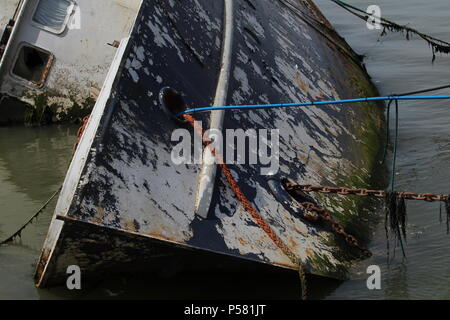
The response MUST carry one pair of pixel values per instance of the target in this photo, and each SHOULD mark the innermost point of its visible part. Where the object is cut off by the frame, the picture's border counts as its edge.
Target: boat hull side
(130, 183)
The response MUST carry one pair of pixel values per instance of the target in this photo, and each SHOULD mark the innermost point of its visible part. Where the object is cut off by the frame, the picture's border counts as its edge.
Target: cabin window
(53, 15)
(32, 64)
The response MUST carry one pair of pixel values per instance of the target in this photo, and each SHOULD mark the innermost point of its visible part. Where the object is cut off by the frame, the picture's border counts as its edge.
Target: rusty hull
(125, 203)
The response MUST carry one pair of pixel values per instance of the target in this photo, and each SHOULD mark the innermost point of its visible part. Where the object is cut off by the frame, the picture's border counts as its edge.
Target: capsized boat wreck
(126, 205)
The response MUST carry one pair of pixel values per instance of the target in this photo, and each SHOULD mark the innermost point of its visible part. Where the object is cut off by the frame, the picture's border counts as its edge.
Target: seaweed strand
(401, 214)
(436, 45)
(447, 210)
(395, 218)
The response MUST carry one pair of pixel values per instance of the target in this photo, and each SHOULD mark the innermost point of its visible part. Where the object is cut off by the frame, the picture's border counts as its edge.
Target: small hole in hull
(172, 103)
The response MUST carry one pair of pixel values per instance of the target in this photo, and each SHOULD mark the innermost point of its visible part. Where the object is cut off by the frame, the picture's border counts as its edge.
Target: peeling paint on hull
(122, 180)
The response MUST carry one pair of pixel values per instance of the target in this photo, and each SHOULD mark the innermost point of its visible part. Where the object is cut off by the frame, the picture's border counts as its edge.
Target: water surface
(396, 66)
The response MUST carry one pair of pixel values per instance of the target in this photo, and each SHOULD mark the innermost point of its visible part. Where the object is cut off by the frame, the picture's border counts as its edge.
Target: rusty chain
(314, 214)
(362, 192)
(249, 208)
(324, 215)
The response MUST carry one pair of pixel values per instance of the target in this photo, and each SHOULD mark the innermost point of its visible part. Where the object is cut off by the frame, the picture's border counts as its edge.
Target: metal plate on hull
(129, 183)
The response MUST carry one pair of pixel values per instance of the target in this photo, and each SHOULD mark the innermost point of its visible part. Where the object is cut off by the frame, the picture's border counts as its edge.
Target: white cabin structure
(55, 55)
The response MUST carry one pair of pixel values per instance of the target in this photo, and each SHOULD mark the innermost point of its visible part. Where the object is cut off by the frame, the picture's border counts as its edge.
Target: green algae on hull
(46, 112)
(359, 215)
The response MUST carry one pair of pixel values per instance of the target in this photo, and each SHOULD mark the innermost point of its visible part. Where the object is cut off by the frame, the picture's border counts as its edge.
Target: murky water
(397, 65)
(33, 163)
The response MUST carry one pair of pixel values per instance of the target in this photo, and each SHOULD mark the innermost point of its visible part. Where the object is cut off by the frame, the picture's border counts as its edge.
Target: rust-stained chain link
(429, 197)
(336, 226)
(314, 214)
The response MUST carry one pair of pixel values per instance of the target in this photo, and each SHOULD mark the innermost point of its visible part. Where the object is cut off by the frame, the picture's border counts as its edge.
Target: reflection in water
(397, 282)
(35, 159)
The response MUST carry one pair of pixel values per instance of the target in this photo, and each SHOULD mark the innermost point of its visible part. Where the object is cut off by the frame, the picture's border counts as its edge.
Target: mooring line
(312, 103)
(314, 213)
(34, 216)
(308, 19)
(363, 192)
(410, 93)
(395, 204)
(437, 45)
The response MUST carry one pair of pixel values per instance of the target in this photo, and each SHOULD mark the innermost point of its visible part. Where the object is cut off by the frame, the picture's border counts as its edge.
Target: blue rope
(386, 144)
(310, 103)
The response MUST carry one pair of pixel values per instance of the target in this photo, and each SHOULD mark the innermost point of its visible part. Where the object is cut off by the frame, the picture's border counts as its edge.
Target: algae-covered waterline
(33, 163)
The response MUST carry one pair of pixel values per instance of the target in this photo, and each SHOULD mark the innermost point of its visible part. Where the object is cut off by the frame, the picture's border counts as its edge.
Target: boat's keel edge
(101, 251)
